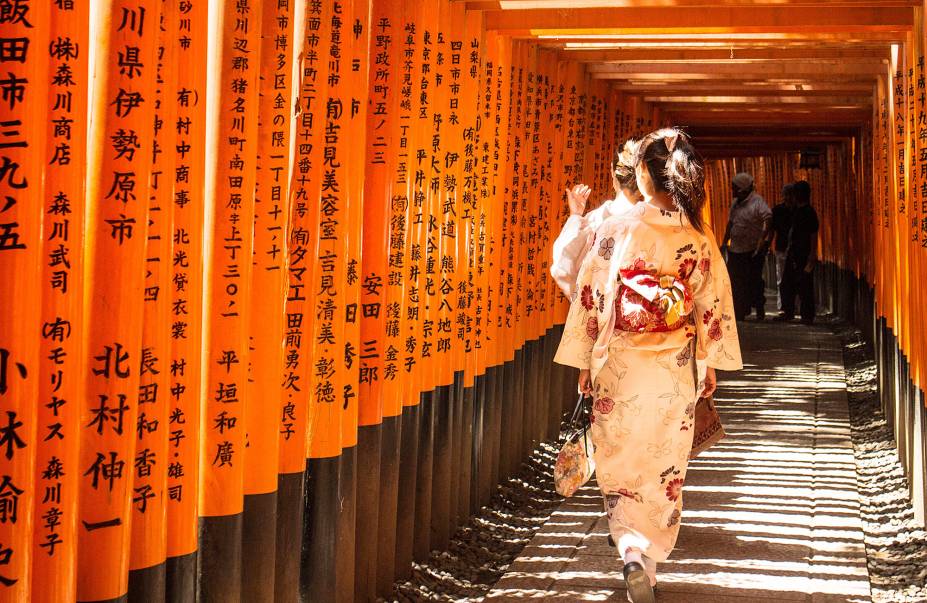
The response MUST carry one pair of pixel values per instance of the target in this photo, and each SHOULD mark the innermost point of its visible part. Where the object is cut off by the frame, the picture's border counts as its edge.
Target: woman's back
(652, 321)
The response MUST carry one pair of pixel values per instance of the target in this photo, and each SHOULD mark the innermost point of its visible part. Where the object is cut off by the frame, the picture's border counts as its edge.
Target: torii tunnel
(276, 315)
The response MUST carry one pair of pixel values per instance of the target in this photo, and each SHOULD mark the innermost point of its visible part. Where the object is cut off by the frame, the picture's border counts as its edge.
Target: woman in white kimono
(654, 303)
(575, 238)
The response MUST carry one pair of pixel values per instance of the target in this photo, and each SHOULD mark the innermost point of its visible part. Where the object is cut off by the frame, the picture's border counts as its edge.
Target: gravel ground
(896, 546)
(481, 550)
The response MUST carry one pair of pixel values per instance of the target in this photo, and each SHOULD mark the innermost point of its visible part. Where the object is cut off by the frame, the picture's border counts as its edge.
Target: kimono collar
(651, 214)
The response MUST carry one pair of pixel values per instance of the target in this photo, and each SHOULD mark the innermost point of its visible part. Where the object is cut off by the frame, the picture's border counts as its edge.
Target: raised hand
(577, 197)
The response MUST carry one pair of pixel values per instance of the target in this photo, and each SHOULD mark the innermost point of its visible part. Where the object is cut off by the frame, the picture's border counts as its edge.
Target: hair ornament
(671, 141)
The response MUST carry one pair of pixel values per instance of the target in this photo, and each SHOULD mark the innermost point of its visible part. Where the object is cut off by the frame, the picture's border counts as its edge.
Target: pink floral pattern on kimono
(647, 374)
(576, 238)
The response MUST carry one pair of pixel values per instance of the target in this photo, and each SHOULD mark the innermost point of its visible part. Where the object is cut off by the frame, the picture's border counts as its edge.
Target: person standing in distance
(746, 242)
(801, 257)
(778, 237)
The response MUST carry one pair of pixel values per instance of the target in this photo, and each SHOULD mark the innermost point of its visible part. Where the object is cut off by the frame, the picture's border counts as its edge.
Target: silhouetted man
(746, 240)
(801, 257)
(778, 235)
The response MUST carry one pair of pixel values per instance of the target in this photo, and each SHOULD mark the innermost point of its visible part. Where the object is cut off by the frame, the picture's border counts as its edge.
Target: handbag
(708, 428)
(575, 464)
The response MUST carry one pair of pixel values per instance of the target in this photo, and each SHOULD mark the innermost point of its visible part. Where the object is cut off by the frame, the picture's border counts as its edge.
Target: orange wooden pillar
(500, 342)
(188, 142)
(491, 154)
(422, 342)
(378, 435)
(919, 191)
(60, 394)
(564, 166)
(542, 174)
(325, 437)
(533, 218)
(267, 289)
(118, 197)
(537, 267)
(908, 238)
(302, 372)
(526, 242)
(334, 385)
(347, 173)
(458, 116)
(514, 309)
(469, 229)
(402, 316)
(387, 148)
(150, 467)
(552, 200)
(25, 39)
(123, 103)
(481, 70)
(910, 444)
(439, 276)
(230, 180)
(897, 248)
(410, 318)
(881, 182)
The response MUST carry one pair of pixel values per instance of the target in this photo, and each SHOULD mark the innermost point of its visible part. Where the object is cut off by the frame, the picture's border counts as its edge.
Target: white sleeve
(568, 252)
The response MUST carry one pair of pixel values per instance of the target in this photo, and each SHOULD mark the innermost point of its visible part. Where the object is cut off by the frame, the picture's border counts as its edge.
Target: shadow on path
(771, 514)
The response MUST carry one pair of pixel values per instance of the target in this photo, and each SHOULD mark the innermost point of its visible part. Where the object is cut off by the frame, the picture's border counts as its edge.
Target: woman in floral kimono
(652, 322)
(575, 237)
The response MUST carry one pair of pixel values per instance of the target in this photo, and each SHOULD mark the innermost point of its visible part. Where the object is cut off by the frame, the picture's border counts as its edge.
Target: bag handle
(579, 414)
(580, 420)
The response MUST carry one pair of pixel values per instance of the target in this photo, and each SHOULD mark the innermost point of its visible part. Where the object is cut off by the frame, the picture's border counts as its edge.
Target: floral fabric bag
(575, 464)
(708, 428)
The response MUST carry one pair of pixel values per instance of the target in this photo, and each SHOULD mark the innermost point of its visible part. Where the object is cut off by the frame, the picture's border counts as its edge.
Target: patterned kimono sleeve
(569, 249)
(579, 331)
(717, 344)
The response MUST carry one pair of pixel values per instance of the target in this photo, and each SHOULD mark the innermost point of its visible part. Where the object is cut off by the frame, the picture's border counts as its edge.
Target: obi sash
(647, 303)
(638, 301)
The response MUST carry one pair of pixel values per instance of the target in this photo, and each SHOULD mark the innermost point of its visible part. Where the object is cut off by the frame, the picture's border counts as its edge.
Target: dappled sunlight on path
(771, 513)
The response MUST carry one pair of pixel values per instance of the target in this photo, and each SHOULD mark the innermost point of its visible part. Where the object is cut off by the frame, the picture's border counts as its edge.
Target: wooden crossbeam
(768, 109)
(721, 153)
(567, 44)
(728, 39)
(746, 140)
(759, 118)
(742, 68)
(771, 113)
(689, 78)
(768, 131)
(715, 99)
(681, 94)
(755, 87)
(659, 54)
(580, 4)
(765, 18)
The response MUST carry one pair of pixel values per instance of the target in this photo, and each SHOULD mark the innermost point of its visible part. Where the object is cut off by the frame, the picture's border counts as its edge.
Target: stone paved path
(771, 513)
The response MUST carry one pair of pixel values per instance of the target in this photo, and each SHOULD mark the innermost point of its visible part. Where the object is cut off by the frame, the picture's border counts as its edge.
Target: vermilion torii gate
(275, 306)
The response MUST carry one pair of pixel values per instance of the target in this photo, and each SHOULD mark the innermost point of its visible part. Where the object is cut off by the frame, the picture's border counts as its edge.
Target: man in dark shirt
(801, 256)
(780, 225)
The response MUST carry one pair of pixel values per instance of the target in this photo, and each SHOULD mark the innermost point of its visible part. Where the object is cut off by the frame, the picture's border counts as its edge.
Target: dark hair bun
(676, 168)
